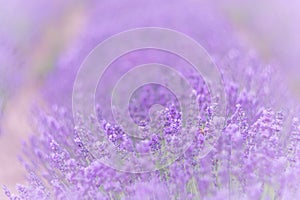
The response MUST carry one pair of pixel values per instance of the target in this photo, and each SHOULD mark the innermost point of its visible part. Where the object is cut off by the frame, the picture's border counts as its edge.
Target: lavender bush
(255, 157)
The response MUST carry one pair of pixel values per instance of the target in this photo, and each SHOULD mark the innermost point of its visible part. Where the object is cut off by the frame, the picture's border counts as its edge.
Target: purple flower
(256, 156)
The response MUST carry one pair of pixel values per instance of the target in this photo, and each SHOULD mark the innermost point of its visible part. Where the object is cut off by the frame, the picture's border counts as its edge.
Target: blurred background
(33, 34)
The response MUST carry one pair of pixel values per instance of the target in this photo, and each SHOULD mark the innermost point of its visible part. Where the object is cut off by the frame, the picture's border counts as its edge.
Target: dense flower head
(256, 155)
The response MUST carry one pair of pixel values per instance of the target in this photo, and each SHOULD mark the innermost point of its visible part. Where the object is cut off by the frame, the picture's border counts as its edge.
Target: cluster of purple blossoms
(257, 155)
